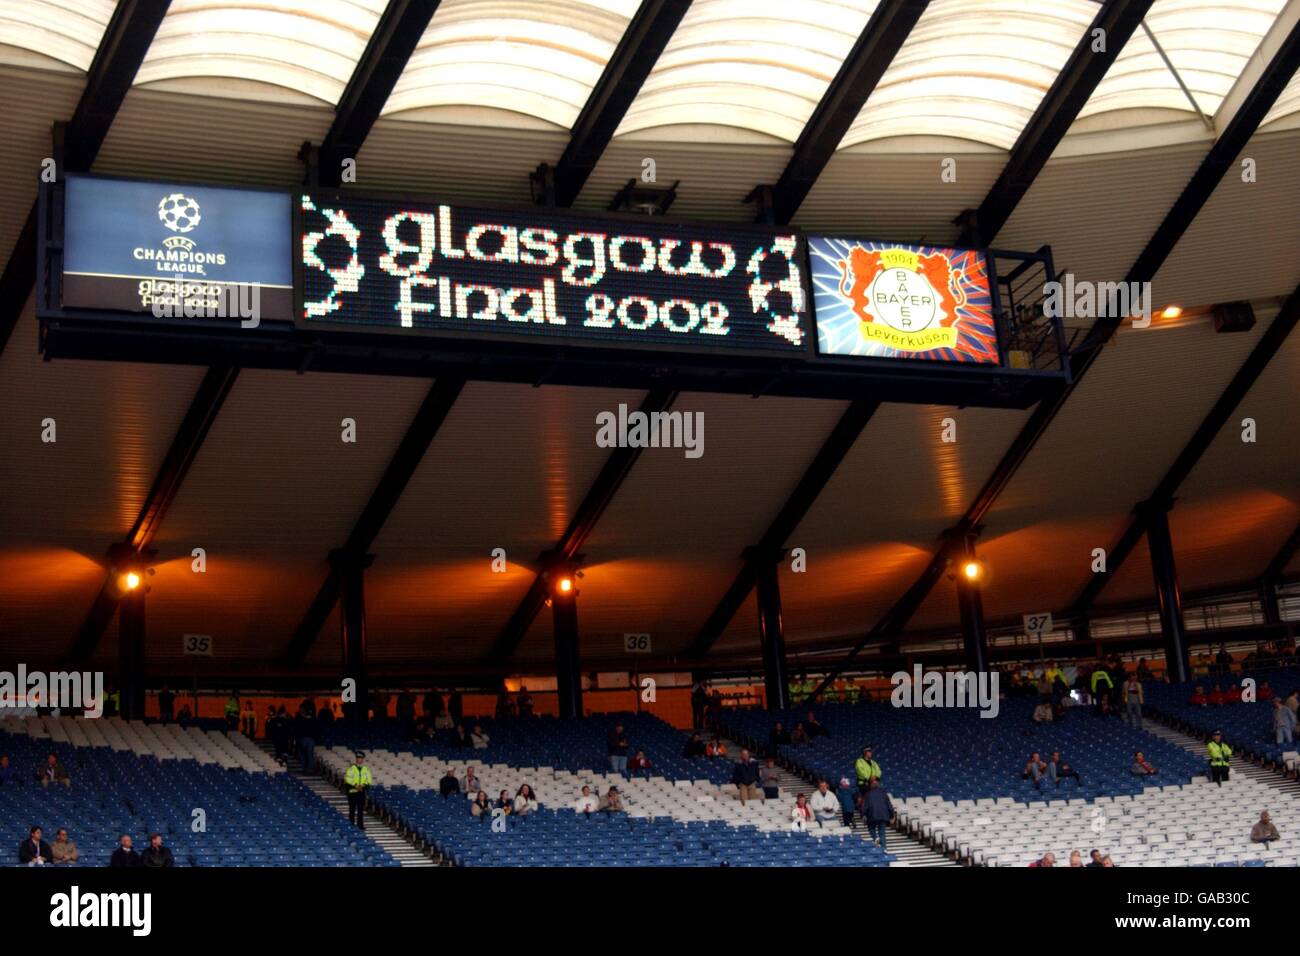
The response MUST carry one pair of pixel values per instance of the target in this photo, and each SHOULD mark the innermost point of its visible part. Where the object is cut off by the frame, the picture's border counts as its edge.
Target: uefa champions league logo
(179, 212)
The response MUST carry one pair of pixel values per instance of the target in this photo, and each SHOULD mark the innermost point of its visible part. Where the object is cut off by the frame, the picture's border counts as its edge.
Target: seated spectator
(1076, 859)
(799, 735)
(156, 855)
(7, 775)
(694, 747)
(1283, 722)
(1232, 694)
(848, 798)
(1106, 861)
(824, 804)
(1198, 698)
(504, 803)
(639, 764)
(124, 856)
(1058, 770)
(34, 851)
(777, 738)
(470, 785)
(459, 738)
(52, 772)
(1094, 858)
(801, 814)
(1048, 860)
(63, 850)
(525, 800)
(449, 785)
(877, 811)
(1035, 769)
(612, 801)
(1264, 831)
(813, 728)
(715, 748)
(443, 721)
(745, 776)
(525, 705)
(481, 806)
(1216, 696)
(1141, 767)
(478, 739)
(769, 779)
(1265, 692)
(1043, 713)
(586, 802)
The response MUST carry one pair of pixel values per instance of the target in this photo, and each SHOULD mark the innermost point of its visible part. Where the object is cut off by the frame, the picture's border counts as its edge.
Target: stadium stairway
(1273, 779)
(381, 831)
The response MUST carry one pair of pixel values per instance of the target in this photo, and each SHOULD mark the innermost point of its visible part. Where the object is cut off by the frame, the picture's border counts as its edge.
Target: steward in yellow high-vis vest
(357, 780)
(1219, 754)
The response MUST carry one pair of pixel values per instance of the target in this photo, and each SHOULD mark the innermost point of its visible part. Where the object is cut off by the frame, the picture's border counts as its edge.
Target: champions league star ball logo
(179, 212)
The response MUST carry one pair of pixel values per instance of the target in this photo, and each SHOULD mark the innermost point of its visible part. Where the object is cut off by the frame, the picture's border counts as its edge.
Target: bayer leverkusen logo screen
(886, 300)
(129, 246)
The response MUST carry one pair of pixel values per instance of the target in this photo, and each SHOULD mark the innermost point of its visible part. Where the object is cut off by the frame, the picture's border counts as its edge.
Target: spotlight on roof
(130, 581)
(1171, 312)
(565, 585)
(972, 570)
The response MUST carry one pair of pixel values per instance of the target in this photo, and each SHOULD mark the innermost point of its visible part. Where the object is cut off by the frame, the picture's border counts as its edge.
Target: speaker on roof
(1233, 317)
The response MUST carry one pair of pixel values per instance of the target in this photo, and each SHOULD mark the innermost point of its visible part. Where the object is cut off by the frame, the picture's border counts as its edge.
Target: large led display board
(131, 246)
(431, 268)
(885, 300)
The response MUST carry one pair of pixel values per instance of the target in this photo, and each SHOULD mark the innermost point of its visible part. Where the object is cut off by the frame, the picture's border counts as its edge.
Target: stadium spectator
(34, 851)
(1219, 753)
(525, 800)
(1217, 698)
(694, 747)
(470, 785)
(1198, 698)
(184, 717)
(449, 785)
(52, 772)
(1143, 671)
(877, 811)
(63, 850)
(406, 713)
(166, 701)
(1224, 660)
(525, 703)
(1102, 686)
(699, 703)
(769, 779)
(777, 738)
(277, 727)
(1266, 692)
(1232, 693)
(1058, 770)
(1293, 701)
(1133, 701)
(801, 813)
(478, 738)
(356, 781)
(460, 739)
(745, 776)
(304, 732)
(1035, 769)
(1141, 766)
(639, 764)
(1043, 713)
(1119, 677)
(586, 802)
(7, 775)
(232, 712)
(1264, 832)
(612, 801)
(456, 706)
(432, 704)
(155, 855)
(616, 747)
(124, 857)
(848, 798)
(799, 735)
(825, 805)
(481, 806)
(325, 716)
(1076, 859)
(1094, 859)
(1107, 862)
(504, 802)
(715, 748)
(814, 728)
(867, 769)
(443, 721)
(1047, 860)
(247, 722)
(1283, 722)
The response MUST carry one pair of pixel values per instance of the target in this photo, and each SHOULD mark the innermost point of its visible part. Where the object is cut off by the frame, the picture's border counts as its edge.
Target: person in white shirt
(825, 805)
(471, 784)
(802, 813)
(587, 803)
(525, 800)
(478, 738)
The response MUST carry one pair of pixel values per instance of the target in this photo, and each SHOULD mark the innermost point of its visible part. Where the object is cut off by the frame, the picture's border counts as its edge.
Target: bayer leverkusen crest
(893, 301)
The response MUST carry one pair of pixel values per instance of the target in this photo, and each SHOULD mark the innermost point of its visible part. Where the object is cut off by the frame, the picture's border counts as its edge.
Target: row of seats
(1246, 726)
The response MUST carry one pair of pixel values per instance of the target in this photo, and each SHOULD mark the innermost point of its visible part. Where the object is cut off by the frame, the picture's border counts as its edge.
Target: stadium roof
(229, 91)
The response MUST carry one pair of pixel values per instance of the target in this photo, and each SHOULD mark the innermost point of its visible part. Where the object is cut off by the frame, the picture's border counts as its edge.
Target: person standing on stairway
(358, 780)
(1220, 753)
